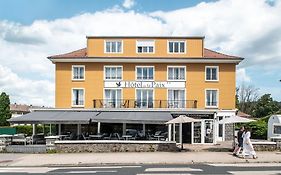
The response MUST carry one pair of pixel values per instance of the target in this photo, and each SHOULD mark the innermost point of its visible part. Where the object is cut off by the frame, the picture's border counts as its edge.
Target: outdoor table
(159, 137)
(61, 137)
(6, 138)
(127, 137)
(98, 136)
(50, 140)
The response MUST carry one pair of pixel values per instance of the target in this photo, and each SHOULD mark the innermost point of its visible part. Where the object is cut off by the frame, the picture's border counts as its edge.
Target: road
(238, 169)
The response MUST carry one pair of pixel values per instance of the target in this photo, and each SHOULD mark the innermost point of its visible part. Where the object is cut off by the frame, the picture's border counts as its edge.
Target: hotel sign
(144, 84)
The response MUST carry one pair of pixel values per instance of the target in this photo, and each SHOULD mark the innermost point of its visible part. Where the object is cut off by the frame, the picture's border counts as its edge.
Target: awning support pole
(143, 129)
(78, 130)
(181, 136)
(124, 129)
(98, 127)
(174, 132)
(50, 133)
(33, 129)
(170, 132)
(59, 129)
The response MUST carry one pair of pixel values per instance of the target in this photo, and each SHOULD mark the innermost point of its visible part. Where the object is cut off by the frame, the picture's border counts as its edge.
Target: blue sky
(31, 30)
(26, 12)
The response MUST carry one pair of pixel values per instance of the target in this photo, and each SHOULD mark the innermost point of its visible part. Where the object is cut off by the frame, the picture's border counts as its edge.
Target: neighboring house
(140, 83)
(21, 109)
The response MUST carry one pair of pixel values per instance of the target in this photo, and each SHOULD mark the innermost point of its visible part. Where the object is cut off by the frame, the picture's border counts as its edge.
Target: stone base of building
(117, 146)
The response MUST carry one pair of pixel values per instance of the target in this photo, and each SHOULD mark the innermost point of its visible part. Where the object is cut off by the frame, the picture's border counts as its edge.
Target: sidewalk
(87, 159)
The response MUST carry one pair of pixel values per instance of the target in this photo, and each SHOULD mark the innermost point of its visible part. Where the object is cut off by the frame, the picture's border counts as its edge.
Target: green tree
(265, 106)
(5, 112)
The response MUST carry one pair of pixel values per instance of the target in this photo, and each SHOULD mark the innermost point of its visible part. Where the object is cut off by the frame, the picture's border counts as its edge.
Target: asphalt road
(239, 169)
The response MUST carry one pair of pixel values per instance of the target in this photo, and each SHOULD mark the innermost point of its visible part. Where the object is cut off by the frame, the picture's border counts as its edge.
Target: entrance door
(186, 133)
(220, 130)
(208, 131)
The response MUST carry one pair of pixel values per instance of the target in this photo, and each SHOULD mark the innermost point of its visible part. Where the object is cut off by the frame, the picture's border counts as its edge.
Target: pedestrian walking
(248, 148)
(237, 149)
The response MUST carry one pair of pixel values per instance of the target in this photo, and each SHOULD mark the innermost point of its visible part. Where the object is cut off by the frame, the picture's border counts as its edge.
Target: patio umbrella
(233, 120)
(180, 120)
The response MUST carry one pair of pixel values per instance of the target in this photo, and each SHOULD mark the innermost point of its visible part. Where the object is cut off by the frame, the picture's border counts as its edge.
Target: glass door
(220, 129)
(197, 132)
(145, 98)
(112, 98)
(208, 131)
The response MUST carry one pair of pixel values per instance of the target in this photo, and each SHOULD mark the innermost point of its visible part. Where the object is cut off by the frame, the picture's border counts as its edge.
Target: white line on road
(165, 174)
(86, 172)
(171, 169)
(254, 172)
(248, 165)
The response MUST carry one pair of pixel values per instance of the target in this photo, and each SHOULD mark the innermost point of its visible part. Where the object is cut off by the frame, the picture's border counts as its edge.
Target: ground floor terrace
(150, 125)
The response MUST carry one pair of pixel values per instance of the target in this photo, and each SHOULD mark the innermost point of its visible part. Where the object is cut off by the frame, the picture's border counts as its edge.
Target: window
(145, 73)
(145, 46)
(112, 98)
(211, 73)
(276, 129)
(78, 72)
(176, 46)
(144, 98)
(113, 46)
(77, 97)
(176, 73)
(211, 98)
(113, 72)
(176, 98)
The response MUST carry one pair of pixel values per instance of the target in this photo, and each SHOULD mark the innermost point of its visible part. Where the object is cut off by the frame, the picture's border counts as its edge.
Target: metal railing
(128, 103)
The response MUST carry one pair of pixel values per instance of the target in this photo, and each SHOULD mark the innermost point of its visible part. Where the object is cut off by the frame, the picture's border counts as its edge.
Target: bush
(259, 128)
(27, 129)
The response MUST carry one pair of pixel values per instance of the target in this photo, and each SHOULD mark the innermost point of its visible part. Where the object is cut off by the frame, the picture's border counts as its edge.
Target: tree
(265, 106)
(248, 96)
(5, 112)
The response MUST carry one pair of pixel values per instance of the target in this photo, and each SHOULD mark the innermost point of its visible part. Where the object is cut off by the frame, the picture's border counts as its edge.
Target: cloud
(250, 29)
(241, 76)
(128, 4)
(23, 90)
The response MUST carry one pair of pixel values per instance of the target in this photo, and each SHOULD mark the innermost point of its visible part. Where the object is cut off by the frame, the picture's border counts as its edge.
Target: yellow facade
(95, 47)
(195, 83)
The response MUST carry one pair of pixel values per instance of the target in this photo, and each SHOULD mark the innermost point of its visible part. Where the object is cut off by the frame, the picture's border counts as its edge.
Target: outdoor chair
(38, 139)
(115, 136)
(19, 139)
(107, 137)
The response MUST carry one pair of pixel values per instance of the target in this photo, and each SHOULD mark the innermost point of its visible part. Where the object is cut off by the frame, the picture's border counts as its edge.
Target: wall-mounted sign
(144, 84)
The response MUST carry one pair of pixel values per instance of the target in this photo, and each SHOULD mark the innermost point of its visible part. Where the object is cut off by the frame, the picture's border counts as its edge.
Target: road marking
(86, 172)
(248, 165)
(101, 167)
(165, 174)
(254, 172)
(171, 169)
(27, 170)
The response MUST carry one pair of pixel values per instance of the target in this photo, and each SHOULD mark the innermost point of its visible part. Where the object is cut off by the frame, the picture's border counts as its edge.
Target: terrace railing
(129, 103)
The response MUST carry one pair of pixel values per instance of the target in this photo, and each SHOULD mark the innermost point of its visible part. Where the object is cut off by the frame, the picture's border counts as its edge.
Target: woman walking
(248, 148)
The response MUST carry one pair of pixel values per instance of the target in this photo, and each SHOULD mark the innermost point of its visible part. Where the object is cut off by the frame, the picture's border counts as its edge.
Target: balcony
(127, 103)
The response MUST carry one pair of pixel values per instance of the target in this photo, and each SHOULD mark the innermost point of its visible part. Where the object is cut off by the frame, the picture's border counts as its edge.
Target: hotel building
(140, 83)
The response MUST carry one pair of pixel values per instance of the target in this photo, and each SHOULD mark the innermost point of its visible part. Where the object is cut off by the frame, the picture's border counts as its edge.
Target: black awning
(55, 117)
(145, 117)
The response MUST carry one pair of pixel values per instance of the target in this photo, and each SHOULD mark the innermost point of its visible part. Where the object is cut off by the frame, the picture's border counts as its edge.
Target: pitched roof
(242, 114)
(81, 53)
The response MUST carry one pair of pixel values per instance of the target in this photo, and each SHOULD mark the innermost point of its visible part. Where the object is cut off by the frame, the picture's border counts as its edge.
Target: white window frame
(78, 66)
(212, 67)
(168, 50)
(104, 98)
(182, 89)
(147, 46)
(153, 95)
(112, 66)
(136, 73)
(275, 124)
(176, 67)
(116, 49)
(73, 105)
(216, 99)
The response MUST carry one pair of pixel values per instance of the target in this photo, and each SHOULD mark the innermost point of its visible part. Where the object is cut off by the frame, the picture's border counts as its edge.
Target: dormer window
(176, 46)
(145, 46)
(113, 47)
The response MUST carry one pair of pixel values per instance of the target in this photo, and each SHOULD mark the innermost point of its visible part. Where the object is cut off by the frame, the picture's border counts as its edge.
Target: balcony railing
(125, 103)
